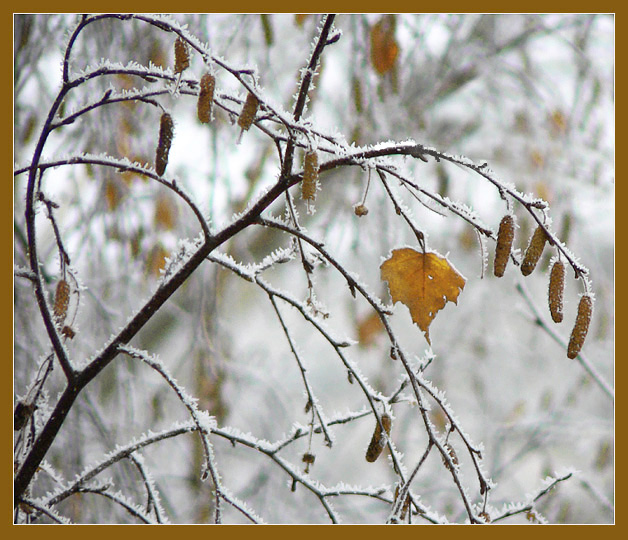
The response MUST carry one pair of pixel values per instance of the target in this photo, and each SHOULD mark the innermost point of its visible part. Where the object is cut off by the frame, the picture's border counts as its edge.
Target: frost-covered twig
(152, 494)
(528, 507)
(474, 452)
(312, 402)
(114, 457)
(125, 165)
(121, 500)
(44, 509)
(202, 420)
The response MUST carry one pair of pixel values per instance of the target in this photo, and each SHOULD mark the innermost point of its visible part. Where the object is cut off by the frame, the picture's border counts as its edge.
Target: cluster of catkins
(207, 85)
(505, 237)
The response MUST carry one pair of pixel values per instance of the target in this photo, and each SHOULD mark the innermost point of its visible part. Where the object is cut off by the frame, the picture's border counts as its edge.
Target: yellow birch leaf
(424, 282)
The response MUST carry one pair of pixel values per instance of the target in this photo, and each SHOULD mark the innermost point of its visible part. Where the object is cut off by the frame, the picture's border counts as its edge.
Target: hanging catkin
(62, 299)
(249, 110)
(206, 98)
(580, 329)
(166, 128)
(310, 176)
(534, 251)
(555, 292)
(377, 441)
(505, 236)
(181, 56)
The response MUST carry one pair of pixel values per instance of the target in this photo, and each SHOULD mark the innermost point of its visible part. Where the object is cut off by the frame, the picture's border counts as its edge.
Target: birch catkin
(534, 251)
(310, 176)
(580, 329)
(555, 292)
(505, 236)
(249, 110)
(377, 441)
(206, 98)
(181, 56)
(62, 300)
(166, 128)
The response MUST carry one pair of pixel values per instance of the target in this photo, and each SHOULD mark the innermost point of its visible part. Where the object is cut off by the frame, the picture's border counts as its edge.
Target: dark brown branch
(306, 81)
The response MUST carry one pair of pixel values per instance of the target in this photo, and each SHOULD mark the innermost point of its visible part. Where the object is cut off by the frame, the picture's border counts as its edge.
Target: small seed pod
(310, 176)
(181, 56)
(62, 299)
(505, 236)
(534, 251)
(166, 128)
(377, 441)
(555, 293)
(206, 98)
(360, 210)
(249, 110)
(68, 332)
(308, 458)
(580, 329)
(452, 455)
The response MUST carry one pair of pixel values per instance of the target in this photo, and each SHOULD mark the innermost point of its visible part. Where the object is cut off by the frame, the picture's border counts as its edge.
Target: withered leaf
(384, 48)
(424, 282)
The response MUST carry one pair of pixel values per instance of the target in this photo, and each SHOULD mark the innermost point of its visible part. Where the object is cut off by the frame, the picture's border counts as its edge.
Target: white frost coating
(246, 438)
(41, 501)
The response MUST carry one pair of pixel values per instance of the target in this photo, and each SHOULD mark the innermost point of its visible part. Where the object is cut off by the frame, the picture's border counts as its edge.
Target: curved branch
(124, 165)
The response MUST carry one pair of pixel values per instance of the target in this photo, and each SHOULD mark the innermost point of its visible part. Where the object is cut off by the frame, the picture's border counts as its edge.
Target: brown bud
(377, 441)
(360, 210)
(580, 329)
(534, 251)
(505, 236)
(68, 332)
(555, 293)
